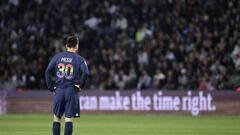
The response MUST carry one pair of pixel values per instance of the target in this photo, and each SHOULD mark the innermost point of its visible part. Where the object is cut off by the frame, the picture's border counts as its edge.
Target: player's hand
(53, 89)
(78, 87)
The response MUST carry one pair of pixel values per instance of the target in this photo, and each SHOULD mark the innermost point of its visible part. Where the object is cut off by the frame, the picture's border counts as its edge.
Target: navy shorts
(66, 101)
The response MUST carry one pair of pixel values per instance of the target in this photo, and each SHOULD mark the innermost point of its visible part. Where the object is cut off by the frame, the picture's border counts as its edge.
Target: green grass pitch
(124, 125)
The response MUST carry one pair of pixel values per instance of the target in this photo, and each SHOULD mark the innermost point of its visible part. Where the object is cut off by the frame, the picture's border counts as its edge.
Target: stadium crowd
(128, 44)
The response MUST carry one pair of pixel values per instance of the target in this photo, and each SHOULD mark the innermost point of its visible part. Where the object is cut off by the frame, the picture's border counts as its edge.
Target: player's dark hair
(72, 41)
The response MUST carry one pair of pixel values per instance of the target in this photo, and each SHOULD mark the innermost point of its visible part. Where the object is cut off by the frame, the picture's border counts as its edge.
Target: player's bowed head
(72, 44)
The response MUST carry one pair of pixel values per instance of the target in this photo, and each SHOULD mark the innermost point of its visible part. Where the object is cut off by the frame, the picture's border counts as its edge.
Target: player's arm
(48, 73)
(84, 75)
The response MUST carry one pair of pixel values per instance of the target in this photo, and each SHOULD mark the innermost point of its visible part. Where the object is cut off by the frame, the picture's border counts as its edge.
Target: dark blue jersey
(69, 69)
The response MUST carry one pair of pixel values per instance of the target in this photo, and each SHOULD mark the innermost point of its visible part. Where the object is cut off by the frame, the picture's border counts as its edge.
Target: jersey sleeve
(84, 75)
(48, 72)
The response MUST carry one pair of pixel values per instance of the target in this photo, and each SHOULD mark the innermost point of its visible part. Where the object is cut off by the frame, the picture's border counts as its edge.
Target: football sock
(68, 128)
(56, 128)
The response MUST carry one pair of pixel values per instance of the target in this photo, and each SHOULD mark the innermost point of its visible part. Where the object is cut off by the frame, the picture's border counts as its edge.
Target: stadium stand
(129, 44)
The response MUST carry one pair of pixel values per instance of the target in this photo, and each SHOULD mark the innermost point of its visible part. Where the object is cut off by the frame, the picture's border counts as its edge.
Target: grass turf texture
(124, 125)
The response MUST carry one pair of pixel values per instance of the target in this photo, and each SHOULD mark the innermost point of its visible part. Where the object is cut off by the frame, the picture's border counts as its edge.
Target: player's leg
(56, 125)
(58, 110)
(68, 126)
(72, 109)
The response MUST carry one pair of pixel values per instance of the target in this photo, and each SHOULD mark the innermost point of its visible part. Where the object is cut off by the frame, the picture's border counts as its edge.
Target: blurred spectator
(121, 22)
(205, 85)
(142, 33)
(110, 84)
(236, 55)
(121, 79)
(144, 81)
(92, 22)
(159, 80)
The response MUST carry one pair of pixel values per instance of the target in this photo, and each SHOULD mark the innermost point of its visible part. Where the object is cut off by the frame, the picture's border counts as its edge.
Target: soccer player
(71, 73)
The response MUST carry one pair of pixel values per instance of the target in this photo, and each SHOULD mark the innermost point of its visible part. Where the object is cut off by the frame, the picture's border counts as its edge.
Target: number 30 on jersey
(65, 70)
